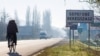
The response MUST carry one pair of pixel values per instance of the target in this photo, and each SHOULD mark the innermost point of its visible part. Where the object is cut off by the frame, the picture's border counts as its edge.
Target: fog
(32, 27)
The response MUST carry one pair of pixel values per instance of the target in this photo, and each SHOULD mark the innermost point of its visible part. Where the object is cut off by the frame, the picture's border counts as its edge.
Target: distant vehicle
(43, 35)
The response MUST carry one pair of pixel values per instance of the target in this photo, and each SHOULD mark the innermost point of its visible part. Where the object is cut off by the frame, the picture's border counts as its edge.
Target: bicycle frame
(12, 46)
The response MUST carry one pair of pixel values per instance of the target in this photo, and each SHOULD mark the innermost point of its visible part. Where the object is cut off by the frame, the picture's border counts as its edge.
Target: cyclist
(11, 32)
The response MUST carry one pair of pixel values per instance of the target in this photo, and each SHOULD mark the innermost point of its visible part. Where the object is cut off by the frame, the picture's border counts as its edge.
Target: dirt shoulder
(62, 42)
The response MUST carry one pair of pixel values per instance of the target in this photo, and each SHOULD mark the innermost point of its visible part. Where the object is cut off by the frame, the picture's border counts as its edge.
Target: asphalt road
(27, 47)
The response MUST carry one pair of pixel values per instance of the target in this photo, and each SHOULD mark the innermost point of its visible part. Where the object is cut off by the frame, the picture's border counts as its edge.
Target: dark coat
(12, 27)
(11, 31)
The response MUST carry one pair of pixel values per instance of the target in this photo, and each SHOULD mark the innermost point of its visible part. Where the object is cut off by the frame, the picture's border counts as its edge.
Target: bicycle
(12, 46)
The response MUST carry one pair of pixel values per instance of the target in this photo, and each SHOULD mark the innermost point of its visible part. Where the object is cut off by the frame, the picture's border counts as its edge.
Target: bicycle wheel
(12, 47)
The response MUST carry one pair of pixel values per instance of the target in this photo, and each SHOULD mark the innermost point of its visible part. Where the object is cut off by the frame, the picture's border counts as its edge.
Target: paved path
(27, 47)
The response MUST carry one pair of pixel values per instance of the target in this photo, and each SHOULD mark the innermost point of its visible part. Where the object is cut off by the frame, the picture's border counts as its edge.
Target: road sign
(96, 19)
(96, 22)
(79, 16)
(73, 27)
(80, 30)
(70, 24)
(95, 28)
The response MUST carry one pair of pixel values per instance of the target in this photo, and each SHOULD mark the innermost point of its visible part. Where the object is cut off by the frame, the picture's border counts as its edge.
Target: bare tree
(94, 4)
(47, 21)
(36, 22)
(28, 16)
(16, 18)
(3, 18)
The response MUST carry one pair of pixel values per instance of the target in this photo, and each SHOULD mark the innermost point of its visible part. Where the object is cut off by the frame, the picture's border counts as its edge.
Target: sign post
(70, 37)
(73, 37)
(80, 16)
(89, 34)
(79, 31)
(73, 27)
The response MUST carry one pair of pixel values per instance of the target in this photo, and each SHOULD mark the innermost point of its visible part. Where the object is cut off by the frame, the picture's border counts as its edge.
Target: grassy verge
(77, 49)
(92, 46)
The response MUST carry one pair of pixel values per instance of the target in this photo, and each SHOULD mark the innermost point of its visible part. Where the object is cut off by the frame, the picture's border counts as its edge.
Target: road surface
(27, 47)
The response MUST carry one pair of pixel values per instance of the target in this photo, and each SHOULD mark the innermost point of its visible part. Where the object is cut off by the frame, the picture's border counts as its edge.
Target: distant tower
(28, 16)
(47, 21)
(16, 18)
(4, 16)
(36, 23)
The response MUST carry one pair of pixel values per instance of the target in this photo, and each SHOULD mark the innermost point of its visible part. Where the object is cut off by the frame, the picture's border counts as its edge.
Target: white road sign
(96, 19)
(79, 16)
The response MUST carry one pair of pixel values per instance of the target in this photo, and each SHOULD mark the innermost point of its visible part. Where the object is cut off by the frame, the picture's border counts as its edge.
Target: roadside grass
(78, 49)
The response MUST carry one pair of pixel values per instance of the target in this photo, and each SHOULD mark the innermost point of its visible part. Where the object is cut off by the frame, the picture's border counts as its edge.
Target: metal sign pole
(73, 36)
(70, 38)
(89, 34)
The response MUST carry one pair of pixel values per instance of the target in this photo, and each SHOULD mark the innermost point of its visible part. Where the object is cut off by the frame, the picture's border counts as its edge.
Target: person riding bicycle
(11, 32)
